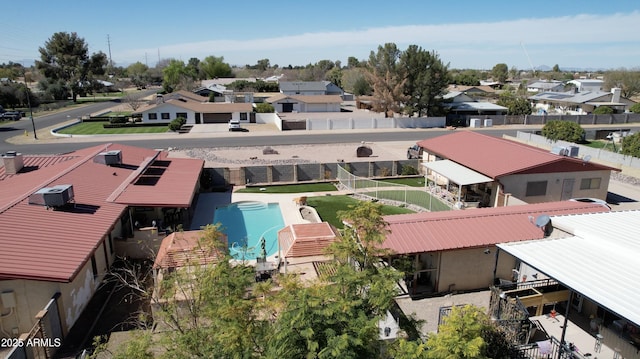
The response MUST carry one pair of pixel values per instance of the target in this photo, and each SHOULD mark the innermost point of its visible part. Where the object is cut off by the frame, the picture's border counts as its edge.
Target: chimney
(616, 91)
(159, 99)
(13, 162)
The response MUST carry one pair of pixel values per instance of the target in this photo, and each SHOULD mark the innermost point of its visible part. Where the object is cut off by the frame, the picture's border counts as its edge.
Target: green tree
(426, 79)
(173, 74)
(192, 70)
(65, 59)
(264, 107)
(386, 79)
(517, 105)
(214, 67)
(460, 336)
(635, 108)
(556, 68)
(138, 73)
(631, 145)
(563, 131)
(335, 76)
(353, 62)
(603, 110)
(500, 72)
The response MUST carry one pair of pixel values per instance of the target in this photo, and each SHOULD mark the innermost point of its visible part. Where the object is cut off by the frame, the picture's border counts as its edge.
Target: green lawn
(412, 182)
(416, 197)
(295, 188)
(328, 206)
(95, 128)
(603, 144)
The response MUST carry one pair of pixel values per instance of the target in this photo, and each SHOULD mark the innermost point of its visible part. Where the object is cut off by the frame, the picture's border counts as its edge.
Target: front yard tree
(386, 79)
(563, 131)
(426, 81)
(138, 73)
(627, 80)
(516, 105)
(65, 57)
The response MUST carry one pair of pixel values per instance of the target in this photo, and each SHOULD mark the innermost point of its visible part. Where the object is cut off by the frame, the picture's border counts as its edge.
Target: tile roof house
(63, 220)
(454, 250)
(508, 172)
(580, 102)
(461, 103)
(195, 109)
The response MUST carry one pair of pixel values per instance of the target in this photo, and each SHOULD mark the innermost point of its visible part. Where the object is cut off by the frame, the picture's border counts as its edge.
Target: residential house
(310, 88)
(195, 109)
(473, 91)
(456, 250)
(594, 260)
(492, 171)
(546, 86)
(66, 217)
(305, 103)
(581, 102)
(587, 85)
(460, 103)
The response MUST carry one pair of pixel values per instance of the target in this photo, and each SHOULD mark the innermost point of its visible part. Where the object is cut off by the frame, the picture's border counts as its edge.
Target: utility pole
(28, 92)
(109, 45)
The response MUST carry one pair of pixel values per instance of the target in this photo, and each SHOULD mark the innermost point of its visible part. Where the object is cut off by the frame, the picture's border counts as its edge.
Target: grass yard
(412, 182)
(294, 188)
(603, 144)
(95, 128)
(416, 197)
(328, 206)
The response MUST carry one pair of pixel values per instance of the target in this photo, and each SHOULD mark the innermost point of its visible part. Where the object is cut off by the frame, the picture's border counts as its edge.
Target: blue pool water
(245, 222)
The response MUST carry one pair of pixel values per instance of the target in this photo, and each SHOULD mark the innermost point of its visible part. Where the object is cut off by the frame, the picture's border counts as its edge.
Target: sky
(466, 34)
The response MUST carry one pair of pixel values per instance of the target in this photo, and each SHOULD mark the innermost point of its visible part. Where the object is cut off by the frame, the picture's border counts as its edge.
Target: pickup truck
(414, 151)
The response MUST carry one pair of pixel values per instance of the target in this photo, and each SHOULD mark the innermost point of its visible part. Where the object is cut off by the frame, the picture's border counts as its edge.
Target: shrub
(408, 170)
(631, 145)
(264, 107)
(176, 124)
(635, 108)
(117, 120)
(603, 110)
(563, 130)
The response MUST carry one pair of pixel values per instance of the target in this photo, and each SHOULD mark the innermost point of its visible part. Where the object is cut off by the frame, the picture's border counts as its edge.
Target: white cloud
(581, 36)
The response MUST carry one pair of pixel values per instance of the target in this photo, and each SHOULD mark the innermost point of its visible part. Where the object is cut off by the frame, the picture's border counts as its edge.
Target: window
(165, 115)
(153, 116)
(590, 183)
(243, 116)
(538, 188)
(181, 114)
(94, 266)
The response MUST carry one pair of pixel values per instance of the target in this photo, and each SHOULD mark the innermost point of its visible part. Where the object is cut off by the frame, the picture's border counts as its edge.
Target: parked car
(11, 115)
(234, 125)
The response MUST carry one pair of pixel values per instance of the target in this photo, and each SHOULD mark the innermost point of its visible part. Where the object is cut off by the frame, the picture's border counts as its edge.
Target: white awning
(457, 173)
(600, 260)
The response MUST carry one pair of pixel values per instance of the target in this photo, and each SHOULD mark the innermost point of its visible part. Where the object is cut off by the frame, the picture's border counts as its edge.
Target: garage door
(216, 117)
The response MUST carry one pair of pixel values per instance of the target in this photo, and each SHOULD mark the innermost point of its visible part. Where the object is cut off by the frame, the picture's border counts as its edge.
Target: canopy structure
(457, 173)
(598, 259)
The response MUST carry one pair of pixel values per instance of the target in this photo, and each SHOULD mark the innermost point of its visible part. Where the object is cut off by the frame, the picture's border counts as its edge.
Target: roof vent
(55, 196)
(13, 162)
(109, 158)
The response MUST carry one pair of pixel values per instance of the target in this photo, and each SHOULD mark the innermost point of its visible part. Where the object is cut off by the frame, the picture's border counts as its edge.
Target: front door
(287, 107)
(567, 189)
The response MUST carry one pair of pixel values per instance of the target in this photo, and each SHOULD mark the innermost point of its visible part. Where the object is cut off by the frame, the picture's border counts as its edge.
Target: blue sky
(465, 33)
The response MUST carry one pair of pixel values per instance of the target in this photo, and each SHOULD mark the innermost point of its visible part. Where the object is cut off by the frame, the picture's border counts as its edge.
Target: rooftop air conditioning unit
(109, 158)
(55, 196)
(558, 150)
(573, 151)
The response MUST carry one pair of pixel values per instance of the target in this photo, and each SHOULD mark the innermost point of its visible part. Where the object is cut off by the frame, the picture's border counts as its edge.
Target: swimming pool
(245, 222)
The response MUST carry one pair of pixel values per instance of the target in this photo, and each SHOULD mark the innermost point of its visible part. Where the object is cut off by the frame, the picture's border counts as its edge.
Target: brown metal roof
(181, 248)
(307, 239)
(53, 244)
(496, 157)
(439, 231)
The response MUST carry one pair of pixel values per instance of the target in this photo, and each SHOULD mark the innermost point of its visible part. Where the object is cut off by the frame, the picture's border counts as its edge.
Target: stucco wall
(516, 185)
(469, 269)
(31, 297)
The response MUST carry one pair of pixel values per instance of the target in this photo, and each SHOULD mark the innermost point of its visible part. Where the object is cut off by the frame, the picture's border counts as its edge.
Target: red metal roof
(307, 239)
(32, 163)
(181, 248)
(496, 157)
(53, 244)
(439, 231)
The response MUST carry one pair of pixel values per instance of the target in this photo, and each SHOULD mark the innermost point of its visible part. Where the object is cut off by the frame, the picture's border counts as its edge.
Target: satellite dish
(586, 158)
(544, 222)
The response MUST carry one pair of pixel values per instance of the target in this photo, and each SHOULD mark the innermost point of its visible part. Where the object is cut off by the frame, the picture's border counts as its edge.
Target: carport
(456, 173)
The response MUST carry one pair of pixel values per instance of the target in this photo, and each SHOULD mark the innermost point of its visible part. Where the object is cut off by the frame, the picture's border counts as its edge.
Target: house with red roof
(455, 250)
(65, 218)
(492, 171)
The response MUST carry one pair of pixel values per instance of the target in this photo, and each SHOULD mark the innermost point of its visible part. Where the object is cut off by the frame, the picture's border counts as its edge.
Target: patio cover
(599, 259)
(457, 173)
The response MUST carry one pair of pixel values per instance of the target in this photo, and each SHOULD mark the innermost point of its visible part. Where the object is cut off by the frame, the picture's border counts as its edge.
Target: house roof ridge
(132, 177)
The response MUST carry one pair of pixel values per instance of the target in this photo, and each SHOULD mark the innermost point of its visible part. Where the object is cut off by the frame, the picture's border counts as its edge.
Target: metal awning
(457, 173)
(599, 260)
